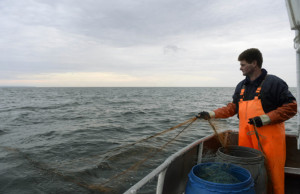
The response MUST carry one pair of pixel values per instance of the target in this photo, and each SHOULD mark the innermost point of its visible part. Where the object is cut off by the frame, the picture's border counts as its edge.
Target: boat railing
(161, 170)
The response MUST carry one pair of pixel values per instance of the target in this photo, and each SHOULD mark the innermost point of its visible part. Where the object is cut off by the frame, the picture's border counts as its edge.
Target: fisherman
(265, 101)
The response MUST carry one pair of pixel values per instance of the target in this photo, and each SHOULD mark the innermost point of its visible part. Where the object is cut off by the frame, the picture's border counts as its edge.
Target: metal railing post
(160, 182)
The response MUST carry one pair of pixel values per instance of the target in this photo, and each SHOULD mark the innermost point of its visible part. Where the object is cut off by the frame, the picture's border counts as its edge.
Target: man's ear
(254, 63)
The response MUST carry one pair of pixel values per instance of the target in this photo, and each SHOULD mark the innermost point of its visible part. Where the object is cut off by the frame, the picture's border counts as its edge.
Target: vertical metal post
(297, 43)
(160, 182)
(200, 150)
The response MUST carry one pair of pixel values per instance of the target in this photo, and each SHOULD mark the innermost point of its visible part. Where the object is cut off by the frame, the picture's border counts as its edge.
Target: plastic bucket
(248, 158)
(196, 184)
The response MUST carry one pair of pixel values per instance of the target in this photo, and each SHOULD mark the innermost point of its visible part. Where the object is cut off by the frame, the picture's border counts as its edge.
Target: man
(264, 101)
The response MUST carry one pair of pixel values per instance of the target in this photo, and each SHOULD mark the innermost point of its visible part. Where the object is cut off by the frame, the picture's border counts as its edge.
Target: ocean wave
(135, 112)
(2, 131)
(38, 108)
(90, 133)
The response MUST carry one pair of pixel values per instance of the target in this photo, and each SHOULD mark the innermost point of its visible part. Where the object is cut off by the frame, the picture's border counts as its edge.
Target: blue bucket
(243, 182)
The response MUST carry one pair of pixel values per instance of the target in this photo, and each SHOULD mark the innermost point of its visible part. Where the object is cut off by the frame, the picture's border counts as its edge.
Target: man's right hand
(203, 115)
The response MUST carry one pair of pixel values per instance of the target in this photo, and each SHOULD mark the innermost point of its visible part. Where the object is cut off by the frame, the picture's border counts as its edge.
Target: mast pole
(297, 47)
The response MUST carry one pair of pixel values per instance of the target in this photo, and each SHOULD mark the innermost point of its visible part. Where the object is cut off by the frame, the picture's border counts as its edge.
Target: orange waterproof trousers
(272, 139)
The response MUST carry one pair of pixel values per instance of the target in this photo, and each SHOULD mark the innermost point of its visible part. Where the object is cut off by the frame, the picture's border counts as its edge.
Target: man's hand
(203, 115)
(257, 120)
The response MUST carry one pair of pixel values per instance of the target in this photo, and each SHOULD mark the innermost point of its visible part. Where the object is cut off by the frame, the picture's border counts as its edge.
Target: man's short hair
(250, 55)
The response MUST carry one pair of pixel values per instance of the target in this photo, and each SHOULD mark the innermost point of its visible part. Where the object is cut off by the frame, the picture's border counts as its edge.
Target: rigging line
(148, 156)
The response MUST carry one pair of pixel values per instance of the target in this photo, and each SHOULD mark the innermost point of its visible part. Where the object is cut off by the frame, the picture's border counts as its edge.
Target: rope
(266, 159)
(150, 137)
(101, 187)
(148, 156)
(216, 133)
(258, 140)
(130, 144)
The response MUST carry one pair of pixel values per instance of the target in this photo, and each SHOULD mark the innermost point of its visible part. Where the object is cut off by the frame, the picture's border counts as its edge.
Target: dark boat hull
(173, 173)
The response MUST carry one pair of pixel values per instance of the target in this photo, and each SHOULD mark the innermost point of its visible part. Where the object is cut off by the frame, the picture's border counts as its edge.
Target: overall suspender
(257, 92)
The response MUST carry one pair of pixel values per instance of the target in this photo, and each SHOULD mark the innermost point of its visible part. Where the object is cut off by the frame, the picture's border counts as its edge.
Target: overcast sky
(140, 42)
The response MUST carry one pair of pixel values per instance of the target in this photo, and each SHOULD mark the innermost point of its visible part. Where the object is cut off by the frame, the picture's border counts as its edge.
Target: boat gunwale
(159, 169)
(167, 162)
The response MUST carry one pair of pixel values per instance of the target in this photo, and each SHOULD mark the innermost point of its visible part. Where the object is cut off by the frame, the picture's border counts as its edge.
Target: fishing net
(223, 137)
(96, 171)
(217, 173)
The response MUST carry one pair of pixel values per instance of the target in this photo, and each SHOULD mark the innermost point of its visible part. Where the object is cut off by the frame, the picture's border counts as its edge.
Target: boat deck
(173, 173)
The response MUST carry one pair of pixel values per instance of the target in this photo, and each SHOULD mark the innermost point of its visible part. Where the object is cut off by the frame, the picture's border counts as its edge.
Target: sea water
(64, 140)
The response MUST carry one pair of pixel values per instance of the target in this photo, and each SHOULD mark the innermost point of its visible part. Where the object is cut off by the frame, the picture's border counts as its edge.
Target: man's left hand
(257, 120)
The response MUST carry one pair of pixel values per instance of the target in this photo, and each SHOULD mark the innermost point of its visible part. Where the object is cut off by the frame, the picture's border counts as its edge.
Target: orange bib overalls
(272, 139)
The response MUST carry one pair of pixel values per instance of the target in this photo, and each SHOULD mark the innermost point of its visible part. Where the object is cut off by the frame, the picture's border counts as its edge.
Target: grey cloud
(117, 21)
(60, 35)
(172, 49)
(131, 22)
